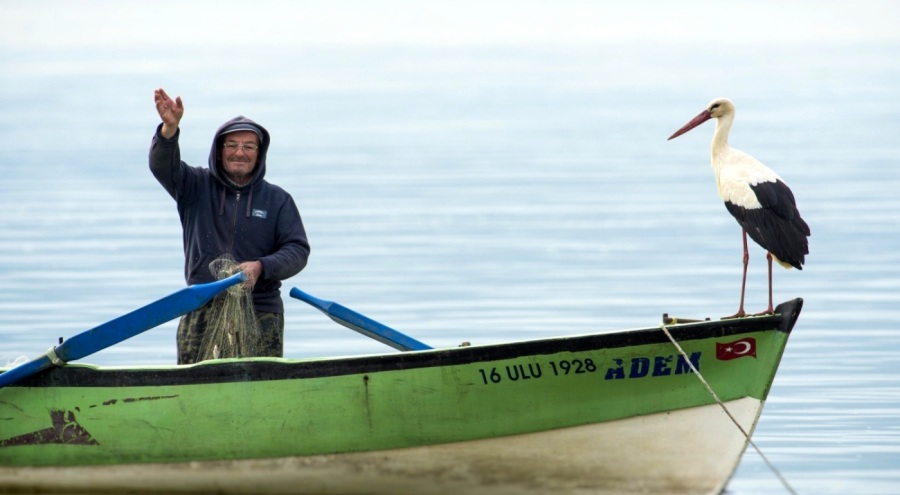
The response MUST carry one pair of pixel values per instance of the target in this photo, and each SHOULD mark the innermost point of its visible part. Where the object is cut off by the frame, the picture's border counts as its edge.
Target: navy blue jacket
(259, 221)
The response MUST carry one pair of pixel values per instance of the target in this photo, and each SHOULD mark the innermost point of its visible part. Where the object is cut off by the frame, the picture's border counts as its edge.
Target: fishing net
(231, 327)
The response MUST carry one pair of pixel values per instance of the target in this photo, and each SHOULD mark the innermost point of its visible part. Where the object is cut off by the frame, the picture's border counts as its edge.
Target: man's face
(239, 152)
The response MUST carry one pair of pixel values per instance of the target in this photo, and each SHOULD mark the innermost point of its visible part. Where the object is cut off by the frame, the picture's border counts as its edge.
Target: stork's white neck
(720, 138)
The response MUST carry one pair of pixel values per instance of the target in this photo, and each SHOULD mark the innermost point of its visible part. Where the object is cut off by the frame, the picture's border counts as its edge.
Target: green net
(231, 328)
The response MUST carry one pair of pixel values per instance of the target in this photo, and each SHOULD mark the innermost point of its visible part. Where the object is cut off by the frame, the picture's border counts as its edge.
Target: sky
(166, 24)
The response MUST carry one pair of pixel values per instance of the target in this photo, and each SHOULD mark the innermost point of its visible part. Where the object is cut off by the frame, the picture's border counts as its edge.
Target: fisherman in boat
(227, 208)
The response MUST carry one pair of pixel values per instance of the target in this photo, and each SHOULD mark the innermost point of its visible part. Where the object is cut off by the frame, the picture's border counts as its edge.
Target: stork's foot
(739, 314)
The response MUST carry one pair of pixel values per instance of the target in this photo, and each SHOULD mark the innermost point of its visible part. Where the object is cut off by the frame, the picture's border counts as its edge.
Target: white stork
(756, 196)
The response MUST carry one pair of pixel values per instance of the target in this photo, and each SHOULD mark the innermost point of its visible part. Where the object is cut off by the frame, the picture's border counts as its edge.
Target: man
(227, 208)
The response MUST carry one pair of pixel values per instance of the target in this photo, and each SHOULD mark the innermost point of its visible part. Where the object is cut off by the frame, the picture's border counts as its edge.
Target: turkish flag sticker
(736, 349)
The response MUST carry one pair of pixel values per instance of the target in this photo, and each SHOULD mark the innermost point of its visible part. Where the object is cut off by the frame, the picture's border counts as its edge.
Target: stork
(756, 196)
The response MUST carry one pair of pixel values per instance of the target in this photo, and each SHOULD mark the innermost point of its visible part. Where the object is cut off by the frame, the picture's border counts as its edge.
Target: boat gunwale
(263, 369)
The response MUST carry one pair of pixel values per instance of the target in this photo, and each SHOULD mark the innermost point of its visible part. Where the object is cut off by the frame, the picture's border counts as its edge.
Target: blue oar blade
(124, 327)
(361, 323)
(25, 370)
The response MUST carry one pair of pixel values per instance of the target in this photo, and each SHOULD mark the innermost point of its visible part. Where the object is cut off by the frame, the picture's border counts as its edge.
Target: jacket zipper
(237, 202)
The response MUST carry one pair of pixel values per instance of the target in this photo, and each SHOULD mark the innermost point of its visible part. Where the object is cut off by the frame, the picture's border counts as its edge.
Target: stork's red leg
(740, 311)
(770, 310)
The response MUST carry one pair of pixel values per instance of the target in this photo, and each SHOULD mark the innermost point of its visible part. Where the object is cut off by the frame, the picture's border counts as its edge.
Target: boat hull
(586, 459)
(617, 412)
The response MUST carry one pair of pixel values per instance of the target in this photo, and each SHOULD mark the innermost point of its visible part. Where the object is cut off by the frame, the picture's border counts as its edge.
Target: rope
(775, 470)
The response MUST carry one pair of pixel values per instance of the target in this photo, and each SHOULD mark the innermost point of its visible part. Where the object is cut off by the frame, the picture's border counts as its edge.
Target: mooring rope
(775, 470)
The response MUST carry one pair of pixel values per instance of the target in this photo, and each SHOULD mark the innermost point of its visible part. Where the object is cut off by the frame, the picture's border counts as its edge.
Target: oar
(362, 324)
(122, 328)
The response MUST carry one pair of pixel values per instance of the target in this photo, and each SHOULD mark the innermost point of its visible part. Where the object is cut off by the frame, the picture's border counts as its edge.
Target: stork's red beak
(703, 117)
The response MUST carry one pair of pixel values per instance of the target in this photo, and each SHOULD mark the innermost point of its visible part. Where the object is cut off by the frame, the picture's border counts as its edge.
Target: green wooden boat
(620, 412)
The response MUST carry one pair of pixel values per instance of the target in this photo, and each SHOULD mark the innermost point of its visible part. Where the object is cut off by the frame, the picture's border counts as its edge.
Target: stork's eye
(714, 106)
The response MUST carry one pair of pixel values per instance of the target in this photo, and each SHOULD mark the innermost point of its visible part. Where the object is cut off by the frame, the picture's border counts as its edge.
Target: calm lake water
(488, 195)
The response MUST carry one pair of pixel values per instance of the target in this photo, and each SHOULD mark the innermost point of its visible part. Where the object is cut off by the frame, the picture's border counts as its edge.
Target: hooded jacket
(258, 221)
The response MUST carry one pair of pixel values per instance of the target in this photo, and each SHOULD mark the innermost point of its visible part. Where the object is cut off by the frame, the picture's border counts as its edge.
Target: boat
(660, 409)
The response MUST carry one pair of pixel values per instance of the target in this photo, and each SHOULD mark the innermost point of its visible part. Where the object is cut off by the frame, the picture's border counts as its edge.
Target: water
(486, 194)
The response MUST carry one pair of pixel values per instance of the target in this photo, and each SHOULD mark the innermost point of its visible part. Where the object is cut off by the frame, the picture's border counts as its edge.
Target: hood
(215, 153)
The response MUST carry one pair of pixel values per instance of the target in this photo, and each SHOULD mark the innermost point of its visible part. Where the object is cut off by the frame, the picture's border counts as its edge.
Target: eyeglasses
(247, 148)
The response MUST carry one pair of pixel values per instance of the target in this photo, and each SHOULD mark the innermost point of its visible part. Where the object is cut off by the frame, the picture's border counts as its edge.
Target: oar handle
(140, 320)
(124, 327)
(361, 323)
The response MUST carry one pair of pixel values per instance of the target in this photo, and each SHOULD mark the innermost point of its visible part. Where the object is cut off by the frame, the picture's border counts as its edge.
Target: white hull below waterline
(651, 454)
